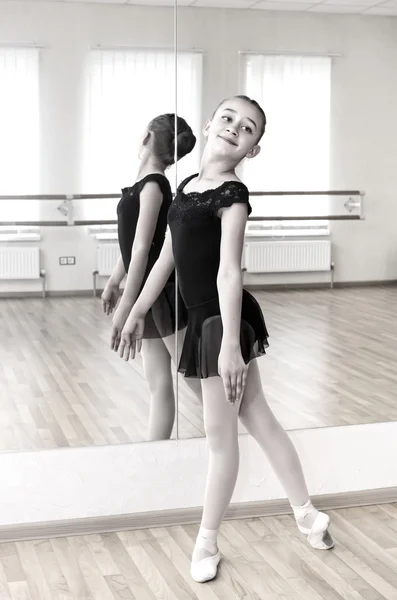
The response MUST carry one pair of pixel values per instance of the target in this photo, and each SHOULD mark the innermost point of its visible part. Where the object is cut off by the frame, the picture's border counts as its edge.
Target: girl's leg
(220, 424)
(261, 423)
(158, 374)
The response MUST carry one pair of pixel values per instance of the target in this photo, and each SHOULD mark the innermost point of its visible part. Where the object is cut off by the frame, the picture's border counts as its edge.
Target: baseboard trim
(319, 285)
(363, 284)
(50, 294)
(185, 516)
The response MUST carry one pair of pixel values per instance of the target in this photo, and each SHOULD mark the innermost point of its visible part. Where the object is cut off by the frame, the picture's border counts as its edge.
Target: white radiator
(287, 256)
(106, 258)
(19, 262)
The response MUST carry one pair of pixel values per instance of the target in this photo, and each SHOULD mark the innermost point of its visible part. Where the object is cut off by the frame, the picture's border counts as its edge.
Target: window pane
(19, 131)
(295, 94)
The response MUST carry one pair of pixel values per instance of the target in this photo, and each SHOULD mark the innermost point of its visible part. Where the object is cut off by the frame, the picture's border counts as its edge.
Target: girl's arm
(157, 279)
(133, 330)
(111, 293)
(151, 199)
(231, 365)
(118, 274)
(230, 281)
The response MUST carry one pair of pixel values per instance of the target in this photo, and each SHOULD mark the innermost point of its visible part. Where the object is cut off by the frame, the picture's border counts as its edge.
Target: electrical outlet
(67, 260)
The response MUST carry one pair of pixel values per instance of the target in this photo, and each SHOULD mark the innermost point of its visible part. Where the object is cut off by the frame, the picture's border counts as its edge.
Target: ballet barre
(354, 201)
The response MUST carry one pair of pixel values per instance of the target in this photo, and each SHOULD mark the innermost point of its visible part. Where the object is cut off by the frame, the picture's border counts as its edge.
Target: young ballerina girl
(142, 221)
(226, 330)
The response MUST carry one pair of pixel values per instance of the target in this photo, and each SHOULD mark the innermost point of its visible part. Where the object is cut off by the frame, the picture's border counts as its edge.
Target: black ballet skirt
(161, 319)
(196, 238)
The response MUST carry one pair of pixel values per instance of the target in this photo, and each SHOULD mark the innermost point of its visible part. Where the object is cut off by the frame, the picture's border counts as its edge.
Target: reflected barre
(337, 205)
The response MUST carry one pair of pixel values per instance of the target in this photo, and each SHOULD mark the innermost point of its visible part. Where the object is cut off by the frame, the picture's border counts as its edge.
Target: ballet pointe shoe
(318, 535)
(205, 569)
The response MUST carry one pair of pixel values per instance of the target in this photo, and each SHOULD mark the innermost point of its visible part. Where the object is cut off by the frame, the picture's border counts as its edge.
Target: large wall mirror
(79, 85)
(320, 251)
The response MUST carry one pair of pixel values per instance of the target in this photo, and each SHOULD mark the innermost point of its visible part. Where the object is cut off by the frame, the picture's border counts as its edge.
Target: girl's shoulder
(231, 192)
(135, 190)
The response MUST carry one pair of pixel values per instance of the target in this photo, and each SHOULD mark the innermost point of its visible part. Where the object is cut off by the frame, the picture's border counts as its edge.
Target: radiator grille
(19, 262)
(288, 257)
(107, 256)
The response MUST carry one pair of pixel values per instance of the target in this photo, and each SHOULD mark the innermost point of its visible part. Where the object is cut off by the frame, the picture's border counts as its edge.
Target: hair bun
(186, 141)
(163, 128)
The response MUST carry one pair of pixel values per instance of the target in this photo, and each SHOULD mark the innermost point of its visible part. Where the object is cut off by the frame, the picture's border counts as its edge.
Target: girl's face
(234, 130)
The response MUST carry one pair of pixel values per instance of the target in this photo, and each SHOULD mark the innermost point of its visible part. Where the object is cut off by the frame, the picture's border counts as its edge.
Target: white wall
(59, 484)
(364, 127)
(364, 96)
(75, 483)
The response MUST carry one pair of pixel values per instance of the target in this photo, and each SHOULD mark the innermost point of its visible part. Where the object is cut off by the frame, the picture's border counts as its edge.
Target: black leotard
(196, 239)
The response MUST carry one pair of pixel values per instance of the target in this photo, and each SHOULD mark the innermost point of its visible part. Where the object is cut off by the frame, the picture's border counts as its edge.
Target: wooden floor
(264, 559)
(331, 361)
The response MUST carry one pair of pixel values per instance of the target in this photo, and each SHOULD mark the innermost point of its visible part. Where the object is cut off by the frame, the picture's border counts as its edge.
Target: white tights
(220, 423)
(158, 356)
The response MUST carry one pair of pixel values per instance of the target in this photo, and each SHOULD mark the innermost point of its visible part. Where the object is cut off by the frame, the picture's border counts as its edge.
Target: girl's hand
(119, 319)
(233, 370)
(131, 336)
(109, 297)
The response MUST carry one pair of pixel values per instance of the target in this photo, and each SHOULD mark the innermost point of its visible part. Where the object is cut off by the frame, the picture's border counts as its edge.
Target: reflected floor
(60, 384)
(332, 358)
(331, 361)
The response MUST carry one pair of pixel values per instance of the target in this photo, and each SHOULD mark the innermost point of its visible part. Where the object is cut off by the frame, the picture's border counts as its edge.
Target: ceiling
(355, 7)
(364, 7)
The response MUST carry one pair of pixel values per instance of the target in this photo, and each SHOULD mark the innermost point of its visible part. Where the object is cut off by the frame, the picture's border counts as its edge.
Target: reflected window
(190, 92)
(126, 88)
(19, 130)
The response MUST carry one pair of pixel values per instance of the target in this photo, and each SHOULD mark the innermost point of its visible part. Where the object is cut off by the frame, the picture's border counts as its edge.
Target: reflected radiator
(19, 262)
(287, 256)
(106, 258)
